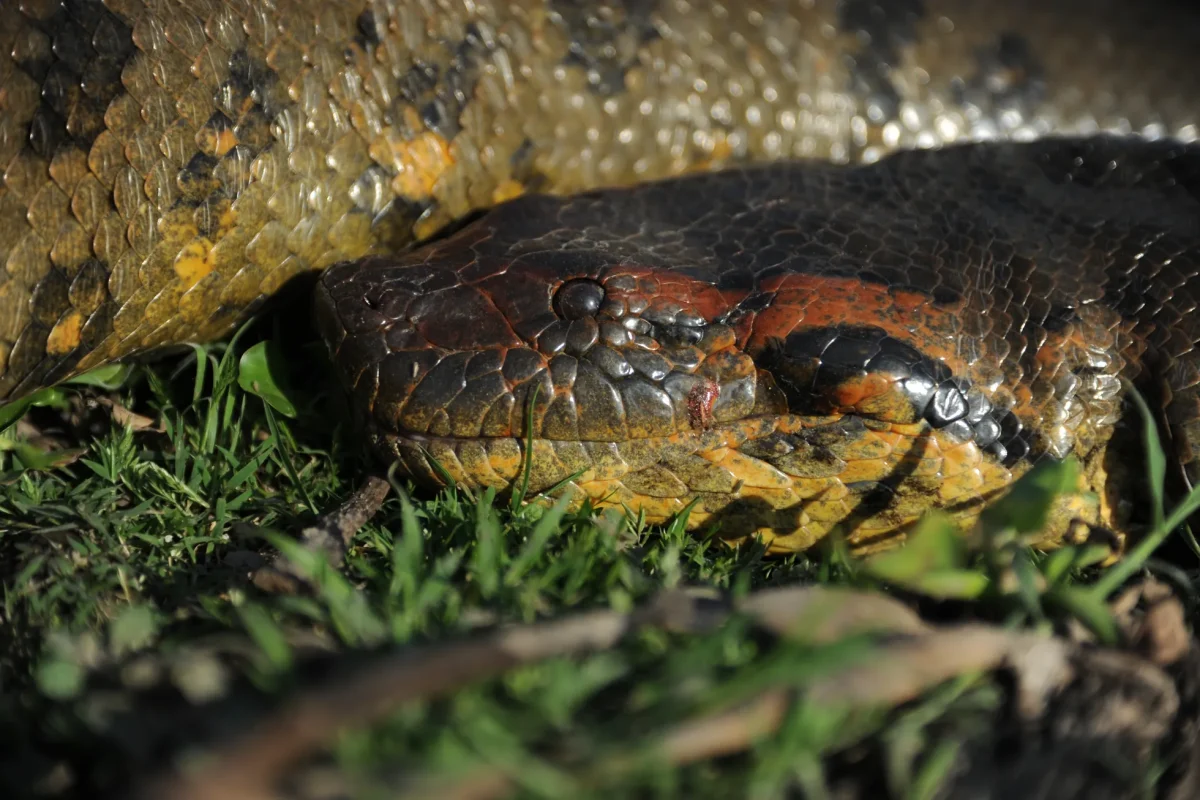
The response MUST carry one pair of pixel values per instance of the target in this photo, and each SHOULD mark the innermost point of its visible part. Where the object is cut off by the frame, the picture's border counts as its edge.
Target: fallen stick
(247, 767)
(910, 666)
(916, 658)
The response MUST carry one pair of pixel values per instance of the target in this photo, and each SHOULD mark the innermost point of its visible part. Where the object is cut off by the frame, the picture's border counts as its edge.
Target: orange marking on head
(875, 395)
(909, 301)
(853, 392)
(810, 301)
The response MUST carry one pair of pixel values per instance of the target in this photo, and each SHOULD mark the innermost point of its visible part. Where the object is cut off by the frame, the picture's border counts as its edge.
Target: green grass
(130, 632)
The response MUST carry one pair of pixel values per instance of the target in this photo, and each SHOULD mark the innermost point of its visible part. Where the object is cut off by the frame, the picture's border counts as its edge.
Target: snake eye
(578, 299)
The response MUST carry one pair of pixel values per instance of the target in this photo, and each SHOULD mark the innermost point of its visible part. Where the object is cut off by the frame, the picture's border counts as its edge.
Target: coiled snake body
(786, 348)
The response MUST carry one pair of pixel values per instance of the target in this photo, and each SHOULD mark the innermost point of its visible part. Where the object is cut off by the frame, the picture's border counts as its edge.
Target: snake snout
(608, 357)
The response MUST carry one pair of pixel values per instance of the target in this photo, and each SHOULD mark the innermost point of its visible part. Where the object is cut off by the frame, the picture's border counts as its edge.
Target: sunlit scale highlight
(764, 348)
(167, 166)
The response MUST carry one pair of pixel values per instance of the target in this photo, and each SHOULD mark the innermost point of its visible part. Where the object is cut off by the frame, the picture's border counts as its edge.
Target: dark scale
(606, 45)
(79, 74)
(367, 29)
(578, 298)
(523, 163)
(1009, 77)
(882, 29)
(442, 90)
(811, 365)
(249, 84)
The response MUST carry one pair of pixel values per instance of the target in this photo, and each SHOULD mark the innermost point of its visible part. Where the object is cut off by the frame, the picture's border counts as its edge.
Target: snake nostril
(578, 299)
(375, 297)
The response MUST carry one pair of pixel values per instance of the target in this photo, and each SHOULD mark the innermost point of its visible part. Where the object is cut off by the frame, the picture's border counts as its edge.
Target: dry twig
(914, 658)
(329, 537)
(248, 767)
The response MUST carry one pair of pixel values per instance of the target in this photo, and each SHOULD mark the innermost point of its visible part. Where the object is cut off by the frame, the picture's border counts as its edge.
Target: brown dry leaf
(131, 419)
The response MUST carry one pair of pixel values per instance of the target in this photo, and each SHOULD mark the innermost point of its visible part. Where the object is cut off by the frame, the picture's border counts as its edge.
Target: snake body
(170, 164)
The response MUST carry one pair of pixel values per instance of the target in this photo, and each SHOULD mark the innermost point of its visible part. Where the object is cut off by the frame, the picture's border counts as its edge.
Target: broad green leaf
(936, 544)
(1027, 505)
(951, 584)
(11, 412)
(31, 458)
(262, 371)
(108, 377)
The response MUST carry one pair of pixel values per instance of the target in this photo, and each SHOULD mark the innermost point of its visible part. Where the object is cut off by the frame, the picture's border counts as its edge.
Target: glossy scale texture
(167, 166)
(791, 347)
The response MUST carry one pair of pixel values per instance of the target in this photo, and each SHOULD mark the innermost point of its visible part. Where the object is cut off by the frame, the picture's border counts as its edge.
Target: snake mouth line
(788, 478)
(845, 447)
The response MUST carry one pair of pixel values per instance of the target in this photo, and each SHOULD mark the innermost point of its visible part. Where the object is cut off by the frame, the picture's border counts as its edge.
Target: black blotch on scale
(810, 365)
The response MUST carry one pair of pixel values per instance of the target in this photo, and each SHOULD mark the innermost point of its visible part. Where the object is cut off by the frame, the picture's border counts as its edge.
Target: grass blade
(1156, 460)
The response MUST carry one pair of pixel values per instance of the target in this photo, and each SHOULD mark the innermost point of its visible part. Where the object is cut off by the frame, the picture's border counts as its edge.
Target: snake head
(590, 346)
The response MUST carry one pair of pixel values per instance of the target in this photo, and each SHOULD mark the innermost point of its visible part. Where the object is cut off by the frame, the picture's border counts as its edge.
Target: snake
(790, 266)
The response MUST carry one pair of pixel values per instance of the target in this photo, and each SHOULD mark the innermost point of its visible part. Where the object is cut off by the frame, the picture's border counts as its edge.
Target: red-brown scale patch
(811, 301)
(700, 404)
